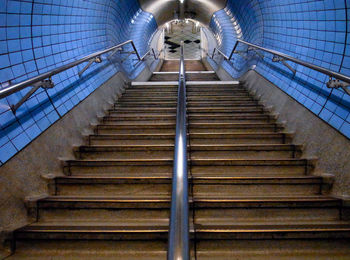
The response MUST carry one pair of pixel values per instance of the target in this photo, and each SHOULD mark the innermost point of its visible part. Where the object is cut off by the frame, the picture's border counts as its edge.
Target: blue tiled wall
(314, 31)
(39, 35)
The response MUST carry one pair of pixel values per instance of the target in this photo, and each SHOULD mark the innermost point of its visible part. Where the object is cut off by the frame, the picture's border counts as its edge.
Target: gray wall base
(320, 139)
(21, 176)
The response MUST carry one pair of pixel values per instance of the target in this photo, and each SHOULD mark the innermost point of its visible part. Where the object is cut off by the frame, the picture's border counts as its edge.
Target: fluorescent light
(182, 1)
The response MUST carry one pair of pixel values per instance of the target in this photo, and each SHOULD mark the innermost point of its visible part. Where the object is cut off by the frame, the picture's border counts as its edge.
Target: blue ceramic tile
(314, 31)
(46, 34)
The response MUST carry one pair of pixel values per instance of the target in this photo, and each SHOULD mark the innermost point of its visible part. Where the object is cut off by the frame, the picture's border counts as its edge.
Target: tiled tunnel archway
(38, 35)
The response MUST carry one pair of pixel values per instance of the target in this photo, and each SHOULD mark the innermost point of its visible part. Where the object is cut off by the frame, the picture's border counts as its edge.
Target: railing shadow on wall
(251, 56)
(115, 56)
(336, 80)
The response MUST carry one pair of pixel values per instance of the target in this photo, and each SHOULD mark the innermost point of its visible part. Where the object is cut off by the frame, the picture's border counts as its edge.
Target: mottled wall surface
(40, 35)
(314, 31)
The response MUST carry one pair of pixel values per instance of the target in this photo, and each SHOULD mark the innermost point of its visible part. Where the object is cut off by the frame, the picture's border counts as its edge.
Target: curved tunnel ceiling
(166, 10)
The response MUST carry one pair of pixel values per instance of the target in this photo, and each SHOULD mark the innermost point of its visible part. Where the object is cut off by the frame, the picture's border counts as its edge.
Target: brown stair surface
(253, 194)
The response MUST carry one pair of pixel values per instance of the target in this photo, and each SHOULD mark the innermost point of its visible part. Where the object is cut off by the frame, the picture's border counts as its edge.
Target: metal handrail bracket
(178, 244)
(336, 79)
(36, 82)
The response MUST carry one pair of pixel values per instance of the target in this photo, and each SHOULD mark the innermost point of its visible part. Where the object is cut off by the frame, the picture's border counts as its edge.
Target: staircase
(253, 195)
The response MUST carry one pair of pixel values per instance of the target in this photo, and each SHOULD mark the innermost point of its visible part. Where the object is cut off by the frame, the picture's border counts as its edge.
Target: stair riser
(256, 189)
(235, 95)
(245, 235)
(218, 109)
(189, 77)
(125, 117)
(232, 120)
(248, 170)
(128, 155)
(199, 235)
(123, 121)
(94, 235)
(145, 104)
(139, 130)
(113, 189)
(132, 141)
(262, 214)
(153, 88)
(150, 95)
(127, 170)
(133, 115)
(239, 140)
(147, 99)
(244, 154)
(75, 249)
(211, 93)
(113, 215)
(120, 112)
(139, 121)
(243, 101)
(204, 104)
(192, 117)
(225, 104)
(237, 130)
(274, 249)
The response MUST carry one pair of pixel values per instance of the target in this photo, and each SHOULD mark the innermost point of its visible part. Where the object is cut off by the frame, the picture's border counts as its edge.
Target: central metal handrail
(339, 81)
(44, 80)
(178, 247)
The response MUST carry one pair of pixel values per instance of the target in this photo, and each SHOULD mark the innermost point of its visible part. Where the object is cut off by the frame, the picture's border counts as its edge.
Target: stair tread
(195, 146)
(210, 226)
(198, 198)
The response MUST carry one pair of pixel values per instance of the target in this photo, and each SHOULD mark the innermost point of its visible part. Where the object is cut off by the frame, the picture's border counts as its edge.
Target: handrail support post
(42, 84)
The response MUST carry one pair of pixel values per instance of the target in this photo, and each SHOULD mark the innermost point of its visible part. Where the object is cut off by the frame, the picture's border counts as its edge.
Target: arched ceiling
(167, 10)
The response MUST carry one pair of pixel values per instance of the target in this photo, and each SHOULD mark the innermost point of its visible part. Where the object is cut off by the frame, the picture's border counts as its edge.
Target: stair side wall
(320, 139)
(20, 177)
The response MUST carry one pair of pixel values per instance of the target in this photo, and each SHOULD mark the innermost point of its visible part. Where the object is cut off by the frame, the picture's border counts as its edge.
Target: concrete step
(224, 109)
(150, 127)
(139, 116)
(146, 103)
(214, 103)
(256, 186)
(115, 120)
(156, 207)
(139, 94)
(265, 151)
(146, 99)
(233, 119)
(125, 152)
(189, 77)
(296, 249)
(266, 208)
(251, 167)
(218, 98)
(159, 110)
(307, 230)
(126, 166)
(202, 186)
(155, 87)
(132, 139)
(94, 231)
(145, 120)
(202, 127)
(243, 138)
(209, 93)
(243, 100)
(213, 231)
(90, 250)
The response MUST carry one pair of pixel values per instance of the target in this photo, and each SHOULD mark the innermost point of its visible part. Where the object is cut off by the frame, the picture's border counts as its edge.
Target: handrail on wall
(44, 80)
(336, 80)
(178, 245)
